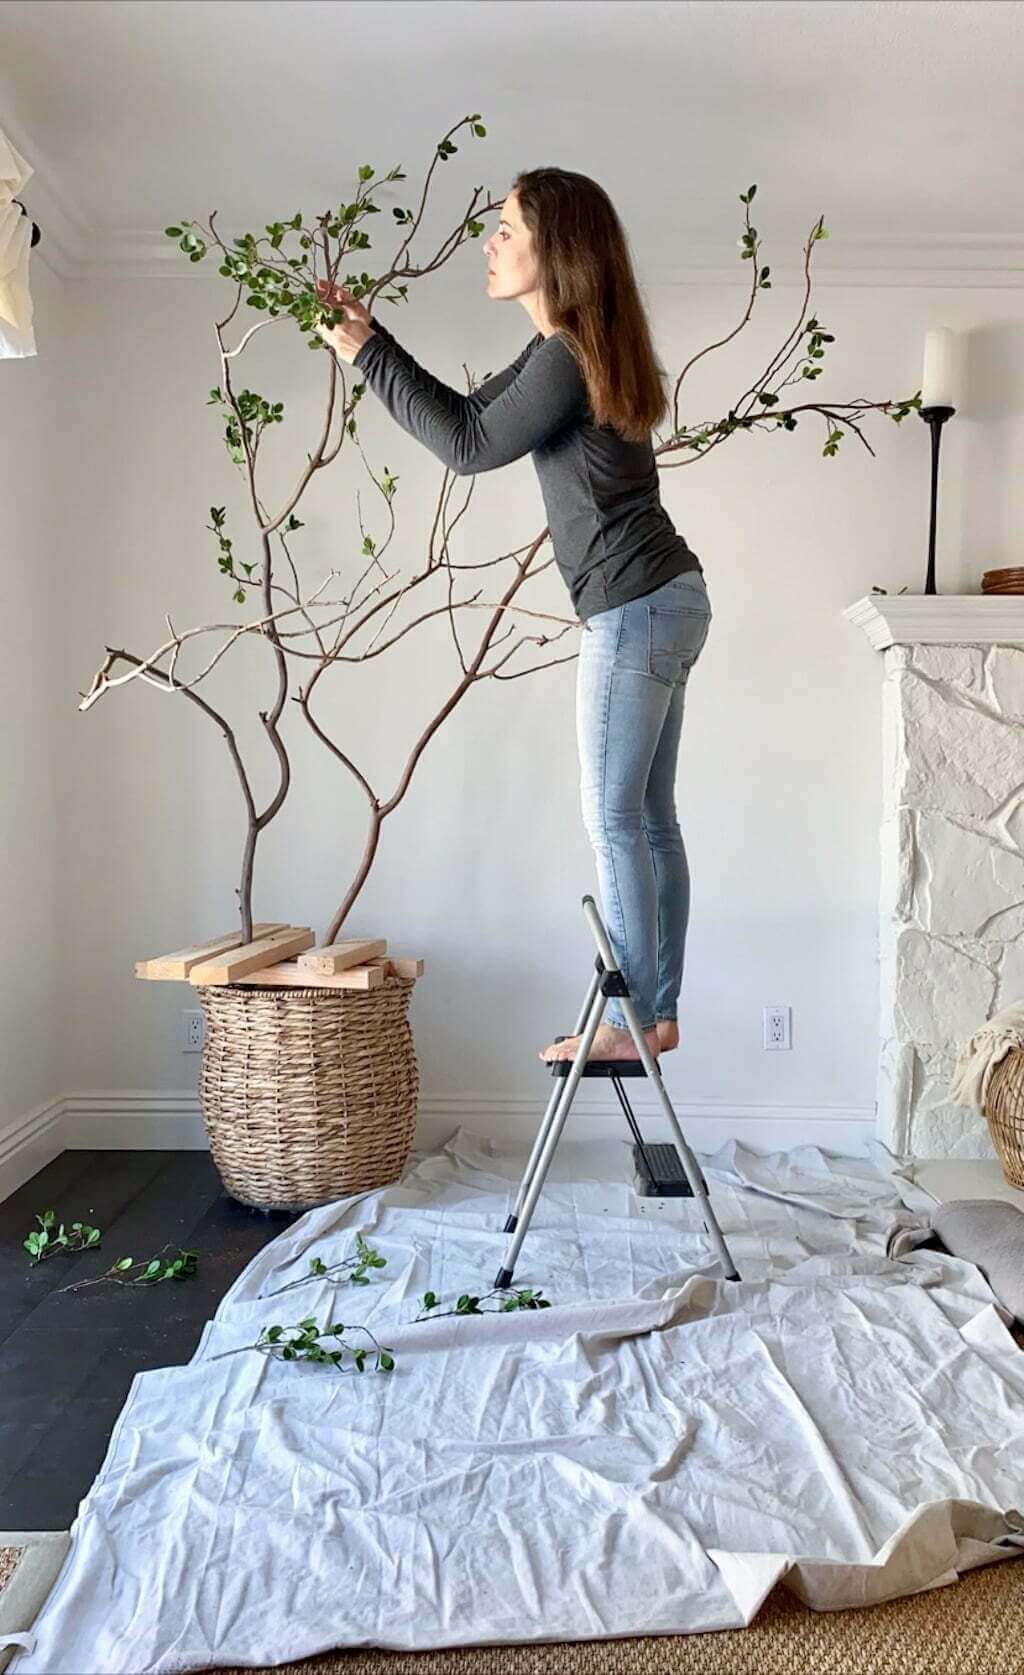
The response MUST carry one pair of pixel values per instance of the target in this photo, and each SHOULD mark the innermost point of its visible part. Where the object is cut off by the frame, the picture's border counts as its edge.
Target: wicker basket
(1004, 1110)
(308, 1094)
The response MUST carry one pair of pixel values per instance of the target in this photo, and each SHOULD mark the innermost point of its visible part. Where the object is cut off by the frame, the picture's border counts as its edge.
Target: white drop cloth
(651, 1454)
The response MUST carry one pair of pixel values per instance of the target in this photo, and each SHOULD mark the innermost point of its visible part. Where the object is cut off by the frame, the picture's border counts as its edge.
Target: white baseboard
(29, 1144)
(160, 1121)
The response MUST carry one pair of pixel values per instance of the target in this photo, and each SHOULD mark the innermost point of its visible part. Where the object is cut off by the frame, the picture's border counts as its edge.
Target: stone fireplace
(951, 924)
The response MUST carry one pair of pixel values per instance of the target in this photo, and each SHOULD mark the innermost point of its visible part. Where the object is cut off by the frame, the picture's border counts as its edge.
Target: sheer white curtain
(16, 335)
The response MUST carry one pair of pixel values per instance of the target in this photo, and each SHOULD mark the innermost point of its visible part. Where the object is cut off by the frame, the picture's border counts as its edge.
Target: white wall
(34, 807)
(482, 867)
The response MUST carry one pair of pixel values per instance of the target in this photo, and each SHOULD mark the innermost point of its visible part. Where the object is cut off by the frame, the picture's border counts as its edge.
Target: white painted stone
(941, 993)
(951, 924)
(939, 1126)
(1011, 823)
(1005, 680)
(896, 877)
(958, 758)
(962, 879)
(895, 1094)
(962, 666)
(1010, 988)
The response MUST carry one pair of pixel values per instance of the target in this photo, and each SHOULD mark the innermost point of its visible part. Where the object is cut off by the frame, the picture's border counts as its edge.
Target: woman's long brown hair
(586, 274)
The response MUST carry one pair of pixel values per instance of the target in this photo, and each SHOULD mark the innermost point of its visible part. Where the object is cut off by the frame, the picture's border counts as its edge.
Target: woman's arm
(513, 413)
(455, 402)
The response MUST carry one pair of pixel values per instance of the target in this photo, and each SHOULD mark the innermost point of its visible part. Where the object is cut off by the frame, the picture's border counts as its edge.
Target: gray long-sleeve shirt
(613, 540)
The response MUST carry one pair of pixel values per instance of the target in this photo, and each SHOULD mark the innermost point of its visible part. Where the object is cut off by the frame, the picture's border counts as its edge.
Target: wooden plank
(253, 956)
(402, 967)
(175, 967)
(339, 956)
(289, 974)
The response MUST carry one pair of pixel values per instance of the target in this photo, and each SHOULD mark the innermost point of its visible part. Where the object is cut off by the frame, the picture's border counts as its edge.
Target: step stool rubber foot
(511, 1224)
(504, 1279)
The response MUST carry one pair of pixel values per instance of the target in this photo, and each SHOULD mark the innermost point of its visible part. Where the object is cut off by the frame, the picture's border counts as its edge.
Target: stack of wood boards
(281, 955)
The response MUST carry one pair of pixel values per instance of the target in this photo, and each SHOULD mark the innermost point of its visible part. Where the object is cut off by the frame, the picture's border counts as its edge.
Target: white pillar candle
(938, 383)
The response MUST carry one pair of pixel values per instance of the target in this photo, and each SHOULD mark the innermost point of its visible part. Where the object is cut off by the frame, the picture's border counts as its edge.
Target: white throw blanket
(649, 1455)
(979, 1056)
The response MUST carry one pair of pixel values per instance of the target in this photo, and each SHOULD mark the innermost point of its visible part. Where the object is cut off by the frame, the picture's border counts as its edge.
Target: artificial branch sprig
(306, 1346)
(46, 1243)
(468, 1304)
(154, 1269)
(353, 1268)
(277, 277)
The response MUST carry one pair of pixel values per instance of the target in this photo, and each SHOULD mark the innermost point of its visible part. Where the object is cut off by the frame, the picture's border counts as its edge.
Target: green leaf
(123, 1263)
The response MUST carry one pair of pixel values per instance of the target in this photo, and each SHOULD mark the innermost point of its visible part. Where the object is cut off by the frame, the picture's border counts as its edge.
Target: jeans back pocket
(676, 638)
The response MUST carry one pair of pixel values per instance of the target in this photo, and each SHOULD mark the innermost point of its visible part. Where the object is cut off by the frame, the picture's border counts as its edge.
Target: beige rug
(975, 1627)
(29, 1563)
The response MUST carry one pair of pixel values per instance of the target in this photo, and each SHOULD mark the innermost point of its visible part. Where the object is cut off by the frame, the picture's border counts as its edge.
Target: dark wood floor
(67, 1359)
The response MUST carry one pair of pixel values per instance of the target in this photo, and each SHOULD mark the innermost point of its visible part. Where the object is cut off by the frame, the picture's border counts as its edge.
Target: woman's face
(512, 268)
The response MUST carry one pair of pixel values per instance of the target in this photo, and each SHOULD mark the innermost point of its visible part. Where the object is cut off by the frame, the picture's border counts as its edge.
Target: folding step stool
(609, 980)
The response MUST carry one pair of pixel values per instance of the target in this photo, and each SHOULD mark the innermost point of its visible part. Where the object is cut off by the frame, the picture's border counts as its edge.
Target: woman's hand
(347, 339)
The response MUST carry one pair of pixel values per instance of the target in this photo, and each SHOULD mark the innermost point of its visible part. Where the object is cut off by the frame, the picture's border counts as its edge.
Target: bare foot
(668, 1034)
(608, 1043)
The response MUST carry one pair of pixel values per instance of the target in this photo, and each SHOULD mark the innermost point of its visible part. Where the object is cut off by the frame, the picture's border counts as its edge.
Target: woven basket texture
(1004, 1109)
(308, 1095)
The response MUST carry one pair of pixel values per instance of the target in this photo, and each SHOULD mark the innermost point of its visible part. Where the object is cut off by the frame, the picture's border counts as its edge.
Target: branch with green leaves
(468, 1304)
(308, 1344)
(276, 275)
(51, 1239)
(355, 1269)
(777, 375)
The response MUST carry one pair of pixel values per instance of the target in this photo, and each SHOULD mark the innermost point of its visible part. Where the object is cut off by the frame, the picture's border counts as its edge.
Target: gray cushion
(989, 1233)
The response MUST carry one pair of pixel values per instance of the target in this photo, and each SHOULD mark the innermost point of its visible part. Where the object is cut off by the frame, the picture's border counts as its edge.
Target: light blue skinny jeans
(631, 675)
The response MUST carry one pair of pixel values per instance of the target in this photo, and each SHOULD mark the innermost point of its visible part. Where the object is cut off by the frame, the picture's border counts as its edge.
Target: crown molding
(74, 251)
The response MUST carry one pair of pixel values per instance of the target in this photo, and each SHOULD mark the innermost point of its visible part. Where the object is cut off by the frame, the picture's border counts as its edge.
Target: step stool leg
(650, 1064)
(549, 1115)
(551, 1139)
(689, 1162)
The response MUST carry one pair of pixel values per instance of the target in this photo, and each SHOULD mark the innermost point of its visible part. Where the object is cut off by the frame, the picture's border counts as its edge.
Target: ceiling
(900, 121)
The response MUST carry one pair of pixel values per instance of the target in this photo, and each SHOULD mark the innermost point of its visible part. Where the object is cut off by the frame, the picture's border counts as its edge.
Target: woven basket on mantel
(308, 1094)
(1004, 1111)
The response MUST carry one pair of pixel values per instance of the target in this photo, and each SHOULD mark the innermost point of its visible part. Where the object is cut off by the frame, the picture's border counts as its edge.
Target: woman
(582, 399)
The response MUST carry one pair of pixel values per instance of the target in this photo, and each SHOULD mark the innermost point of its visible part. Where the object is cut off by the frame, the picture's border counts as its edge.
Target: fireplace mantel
(951, 921)
(892, 619)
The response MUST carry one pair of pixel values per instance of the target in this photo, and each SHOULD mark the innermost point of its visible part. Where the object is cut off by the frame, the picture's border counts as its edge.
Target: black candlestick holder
(936, 418)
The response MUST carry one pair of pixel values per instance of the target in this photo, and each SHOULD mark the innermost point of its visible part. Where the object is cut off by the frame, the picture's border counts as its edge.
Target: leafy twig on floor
(47, 1243)
(307, 1347)
(467, 1304)
(365, 1257)
(180, 1267)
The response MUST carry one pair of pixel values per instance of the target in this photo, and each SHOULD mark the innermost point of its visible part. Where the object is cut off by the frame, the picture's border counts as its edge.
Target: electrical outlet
(194, 1030)
(776, 1026)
